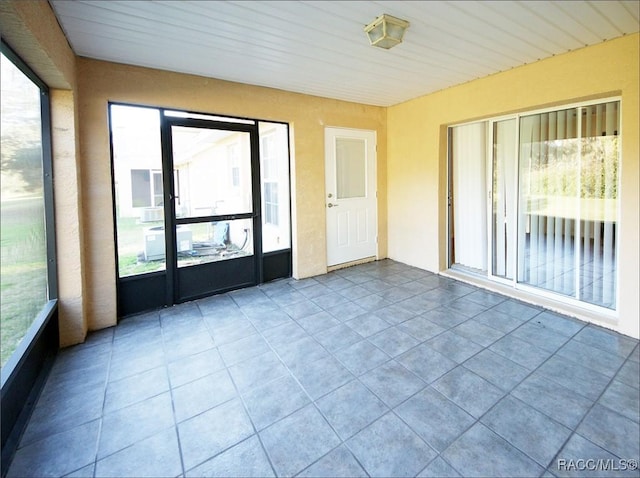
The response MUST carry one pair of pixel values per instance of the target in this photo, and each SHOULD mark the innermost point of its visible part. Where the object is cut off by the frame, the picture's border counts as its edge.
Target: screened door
(214, 217)
(201, 204)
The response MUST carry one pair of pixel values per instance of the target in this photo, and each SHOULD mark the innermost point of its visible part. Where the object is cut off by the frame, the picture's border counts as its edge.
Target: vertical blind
(469, 196)
(568, 202)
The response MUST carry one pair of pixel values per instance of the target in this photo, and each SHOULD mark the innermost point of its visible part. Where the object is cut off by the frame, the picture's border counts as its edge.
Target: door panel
(350, 171)
(215, 222)
(504, 199)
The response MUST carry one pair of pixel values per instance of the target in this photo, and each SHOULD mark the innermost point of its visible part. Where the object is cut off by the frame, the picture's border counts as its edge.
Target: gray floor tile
(469, 391)
(436, 419)
(231, 330)
(421, 328)
(194, 367)
(354, 292)
(431, 324)
(454, 346)
(388, 447)
(84, 472)
(63, 412)
(592, 357)
(582, 380)
(478, 332)
(527, 429)
(177, 348)
(322, 376)
(201, 395)
(315, 290)
(301, 352)
(372, 302)
(486, 298)
(438, 468)
(317, 322)
(393, 341)
(329, 300)
(143, 359)
(396, 293)
(346, 311)
(517, 309)
(368, 324)
(571, 461)
(129, 425)
(136, 388)
(338, 463)
(213, 431)
(426, 363)
(337, 337)
(350, 408)
(246, 459)
(562, 325)
(466, 307)
(606, 340)
(612, 432)
(257, 371)
(158, 455)
(629, 374)
(290, 444)
(302, 309)
(392, 383)
(521, 352)
(361, 357)
(48, 458)
(498, 320)
(287, 298)
(243, 349)
(395, 313)
(480, 452)
(284, 335)
(446, 318)
(552, 399)
(540, 336)
(500, 371)
(416, 305)
(274, 401)
(269, 319)
(623, 399)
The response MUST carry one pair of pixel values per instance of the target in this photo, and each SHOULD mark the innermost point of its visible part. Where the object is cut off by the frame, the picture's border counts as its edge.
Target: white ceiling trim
(319, 48)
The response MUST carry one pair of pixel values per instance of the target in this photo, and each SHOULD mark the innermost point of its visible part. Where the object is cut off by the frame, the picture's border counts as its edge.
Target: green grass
(23, 271)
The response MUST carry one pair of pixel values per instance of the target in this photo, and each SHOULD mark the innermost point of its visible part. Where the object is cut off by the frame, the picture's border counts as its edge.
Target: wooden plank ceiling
(319, 47)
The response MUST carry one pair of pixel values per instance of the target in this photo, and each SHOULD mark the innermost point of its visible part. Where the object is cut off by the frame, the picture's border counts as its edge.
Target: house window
(538, 208)
(27, 258)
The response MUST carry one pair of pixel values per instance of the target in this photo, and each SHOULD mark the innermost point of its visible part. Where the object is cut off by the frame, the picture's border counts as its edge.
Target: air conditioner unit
(154, 242)
(151, 214)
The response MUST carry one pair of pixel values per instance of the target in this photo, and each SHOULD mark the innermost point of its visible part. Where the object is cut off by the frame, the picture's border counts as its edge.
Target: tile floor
(380, 369)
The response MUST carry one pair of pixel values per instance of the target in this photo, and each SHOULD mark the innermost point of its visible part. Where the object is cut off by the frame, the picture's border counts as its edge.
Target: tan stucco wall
(100, 82)
(416, 160)
(31, 29)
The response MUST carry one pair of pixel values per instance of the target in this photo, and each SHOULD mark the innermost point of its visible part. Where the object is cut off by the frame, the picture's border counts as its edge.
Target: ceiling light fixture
(386, 31)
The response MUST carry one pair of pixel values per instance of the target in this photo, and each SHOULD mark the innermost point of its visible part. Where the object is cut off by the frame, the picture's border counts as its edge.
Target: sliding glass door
(467, 197)
(551, 201)
(568, 202)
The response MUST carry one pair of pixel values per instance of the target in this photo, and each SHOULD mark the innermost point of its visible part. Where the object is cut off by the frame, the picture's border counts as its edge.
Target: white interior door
(351, 203)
